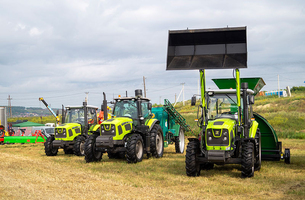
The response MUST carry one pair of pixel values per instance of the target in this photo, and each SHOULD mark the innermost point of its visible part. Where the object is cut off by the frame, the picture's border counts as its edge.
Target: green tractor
(130, 134)
(78, 123)
(229, 134)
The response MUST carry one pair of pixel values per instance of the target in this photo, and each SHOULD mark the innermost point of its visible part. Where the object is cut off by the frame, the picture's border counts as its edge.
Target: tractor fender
(94, 128)
(253, 129)
(151, 123)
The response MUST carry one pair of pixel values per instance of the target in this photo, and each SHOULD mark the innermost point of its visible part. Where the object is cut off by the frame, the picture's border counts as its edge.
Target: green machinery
(130, 134)
(173, 125)
(229, 133)
(78, 123)
(271, 147)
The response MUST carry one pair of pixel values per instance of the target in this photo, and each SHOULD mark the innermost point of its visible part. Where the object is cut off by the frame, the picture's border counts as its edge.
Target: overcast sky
(61, 49)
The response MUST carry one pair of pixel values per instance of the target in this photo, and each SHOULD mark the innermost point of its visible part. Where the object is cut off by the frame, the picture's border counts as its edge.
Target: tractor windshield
(77, 115)
(222, 106)
(125, 108)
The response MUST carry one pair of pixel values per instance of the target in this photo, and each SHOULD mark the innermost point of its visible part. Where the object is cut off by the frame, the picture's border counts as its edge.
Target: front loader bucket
(255, 83)
(218, 48)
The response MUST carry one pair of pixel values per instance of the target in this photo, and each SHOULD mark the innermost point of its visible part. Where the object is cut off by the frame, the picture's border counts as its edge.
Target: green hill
(285, 114)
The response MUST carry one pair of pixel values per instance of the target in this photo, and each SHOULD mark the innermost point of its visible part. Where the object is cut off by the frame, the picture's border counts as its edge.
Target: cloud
(64, 47)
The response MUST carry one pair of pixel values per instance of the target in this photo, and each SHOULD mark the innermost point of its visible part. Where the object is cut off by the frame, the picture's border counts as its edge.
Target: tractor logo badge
(59, 130)
(217, 133)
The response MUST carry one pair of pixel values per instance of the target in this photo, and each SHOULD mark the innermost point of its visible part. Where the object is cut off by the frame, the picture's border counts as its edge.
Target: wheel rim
(139, 149)
(181, 140)
(159, 143)
(82, 147)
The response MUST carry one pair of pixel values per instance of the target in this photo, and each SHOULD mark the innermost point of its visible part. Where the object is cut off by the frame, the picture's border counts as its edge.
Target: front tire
(191, 165)
(134, 149)
(79, 145)
(91, 155)
(156, 141)
(48, 147)
(179, 142)
(258, 158)
(247, 160)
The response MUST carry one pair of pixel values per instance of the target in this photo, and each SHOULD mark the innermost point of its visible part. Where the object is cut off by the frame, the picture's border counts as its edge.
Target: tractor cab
(76, 114)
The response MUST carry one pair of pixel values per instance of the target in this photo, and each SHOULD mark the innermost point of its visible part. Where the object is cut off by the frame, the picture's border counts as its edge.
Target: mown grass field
(27, 173)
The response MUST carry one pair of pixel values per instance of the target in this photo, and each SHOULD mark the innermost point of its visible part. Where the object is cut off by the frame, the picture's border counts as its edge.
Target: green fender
(253, 129)
(94, 128)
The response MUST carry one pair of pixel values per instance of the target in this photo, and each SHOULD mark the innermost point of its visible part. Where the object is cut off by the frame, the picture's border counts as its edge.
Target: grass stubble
(27, 173)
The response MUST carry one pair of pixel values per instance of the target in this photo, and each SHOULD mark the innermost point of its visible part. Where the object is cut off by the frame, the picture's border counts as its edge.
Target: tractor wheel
(48, 147)
(91, 155)
(79, 145)
(258, 148)
(287, 156)
(247, 160)
(179, 142)
(191, 165)
(67, 150)
(134, 149)
(156, 141)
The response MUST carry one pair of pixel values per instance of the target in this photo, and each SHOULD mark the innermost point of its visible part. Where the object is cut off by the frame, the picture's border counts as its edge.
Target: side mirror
(149, 106)
(193, 101)
(251, 99)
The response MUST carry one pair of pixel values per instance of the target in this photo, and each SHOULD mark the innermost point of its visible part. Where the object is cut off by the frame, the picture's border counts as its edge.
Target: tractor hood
(222, 123)
(116, 126)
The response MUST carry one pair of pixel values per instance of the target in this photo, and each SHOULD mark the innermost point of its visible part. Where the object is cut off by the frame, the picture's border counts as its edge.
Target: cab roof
(130, 98)
(81, 106)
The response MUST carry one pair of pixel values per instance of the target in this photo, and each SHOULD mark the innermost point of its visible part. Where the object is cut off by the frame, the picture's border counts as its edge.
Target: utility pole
(278, 84)
(175, 97)
(144, 86)
(9, 105)
(86, 99)
(183, 92)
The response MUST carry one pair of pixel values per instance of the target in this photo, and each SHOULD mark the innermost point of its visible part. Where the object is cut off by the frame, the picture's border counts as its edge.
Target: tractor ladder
(169, 108)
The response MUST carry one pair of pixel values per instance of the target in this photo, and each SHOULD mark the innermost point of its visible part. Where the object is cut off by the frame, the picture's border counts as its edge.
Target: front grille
(60, 133)
(217, 137)
(107, 129)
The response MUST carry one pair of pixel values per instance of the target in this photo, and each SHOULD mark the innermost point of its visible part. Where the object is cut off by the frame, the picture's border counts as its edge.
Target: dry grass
(26, 173)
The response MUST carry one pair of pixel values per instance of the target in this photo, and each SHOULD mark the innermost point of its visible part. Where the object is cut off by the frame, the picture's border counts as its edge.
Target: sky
(62, 49)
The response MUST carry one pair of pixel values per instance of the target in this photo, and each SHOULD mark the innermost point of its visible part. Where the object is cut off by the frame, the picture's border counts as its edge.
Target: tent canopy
(27, 124)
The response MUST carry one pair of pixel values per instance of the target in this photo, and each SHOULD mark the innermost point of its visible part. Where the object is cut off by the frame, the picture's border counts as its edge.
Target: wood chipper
(229, 133)
(271, 147)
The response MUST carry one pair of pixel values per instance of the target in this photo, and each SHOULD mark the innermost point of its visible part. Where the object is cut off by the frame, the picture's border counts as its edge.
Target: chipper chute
(221, 48)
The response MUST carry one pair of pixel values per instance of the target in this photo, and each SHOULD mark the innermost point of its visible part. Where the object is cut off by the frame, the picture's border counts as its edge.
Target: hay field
(26, 173)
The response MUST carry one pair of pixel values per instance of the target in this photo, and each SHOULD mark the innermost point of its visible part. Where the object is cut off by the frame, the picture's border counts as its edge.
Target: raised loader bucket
(255, 83)
(218, 48)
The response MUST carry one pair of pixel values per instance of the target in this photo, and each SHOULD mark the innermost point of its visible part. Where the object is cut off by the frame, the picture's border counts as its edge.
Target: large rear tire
(91, 155)
(79, 145)
(191, 165)
(134, 149)
(156, 141)
(179, 142)
(247, 160)
(48, 147)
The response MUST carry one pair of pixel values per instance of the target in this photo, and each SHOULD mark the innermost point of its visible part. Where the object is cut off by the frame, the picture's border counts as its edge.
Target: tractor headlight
(112, 127)
(102, 127)
(103, 131)
(225, 133)
(210, 138)
(209, 132)
(225, 138)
